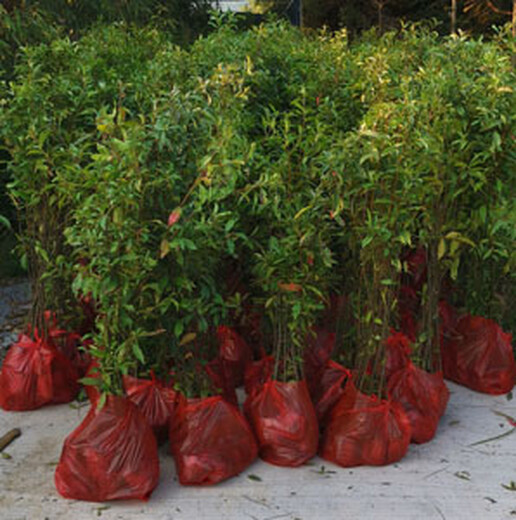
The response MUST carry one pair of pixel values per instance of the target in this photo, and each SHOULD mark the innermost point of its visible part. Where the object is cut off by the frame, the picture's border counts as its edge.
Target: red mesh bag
(363, 430)
(397, 353)
(235, 354)
(423, 396)
(34, 374)
(155, 401)
(477, 353)
(329, 389)
(258, 373)
(222, 383)
(112, 455)
(284, 421)
(210, 441)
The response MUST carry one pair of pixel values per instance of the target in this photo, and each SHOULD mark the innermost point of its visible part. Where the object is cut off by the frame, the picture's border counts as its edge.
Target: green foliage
(145, 174)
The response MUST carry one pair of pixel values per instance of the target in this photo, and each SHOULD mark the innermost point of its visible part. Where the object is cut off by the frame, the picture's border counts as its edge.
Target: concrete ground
(450, 478)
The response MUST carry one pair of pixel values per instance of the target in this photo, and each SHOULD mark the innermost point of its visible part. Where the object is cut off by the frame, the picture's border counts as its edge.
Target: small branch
(497, 10)
(8, 438)
(492, 438)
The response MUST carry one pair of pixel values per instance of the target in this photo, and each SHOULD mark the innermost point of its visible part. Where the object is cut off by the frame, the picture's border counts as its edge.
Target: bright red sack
(210, 441)
(283, 418)
(155, 401)
(235, 354)
(317, 353)
(221, 380)
(34, 374)
(71, 345)
(258, 373)
(363, 430)
(423, 396)
(397, 353)
(477, 353)
(329, 389)
(112, 455)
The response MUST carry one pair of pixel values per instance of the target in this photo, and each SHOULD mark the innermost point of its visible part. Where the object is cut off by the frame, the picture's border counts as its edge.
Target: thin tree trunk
(453, 15)
(514, 18)
(380, 5)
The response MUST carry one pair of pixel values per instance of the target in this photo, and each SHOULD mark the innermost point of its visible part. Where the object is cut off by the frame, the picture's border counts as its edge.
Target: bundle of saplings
(281, 211)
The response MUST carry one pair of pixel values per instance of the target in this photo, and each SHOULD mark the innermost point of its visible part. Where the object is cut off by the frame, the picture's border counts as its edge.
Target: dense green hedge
(293, 165)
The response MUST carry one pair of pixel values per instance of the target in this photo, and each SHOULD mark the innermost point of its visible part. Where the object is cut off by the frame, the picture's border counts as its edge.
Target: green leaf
(441, 249)
(164, 248)
(178, 328)
(5, 222)
(102, 401)
(137, 351)
(90, 381)
(366, 241)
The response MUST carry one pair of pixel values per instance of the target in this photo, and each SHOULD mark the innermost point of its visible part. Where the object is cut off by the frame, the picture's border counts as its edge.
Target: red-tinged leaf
(290, 287)
(174, 217)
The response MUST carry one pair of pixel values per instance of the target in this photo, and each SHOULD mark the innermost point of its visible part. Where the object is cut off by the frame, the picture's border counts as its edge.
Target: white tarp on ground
(446, 479)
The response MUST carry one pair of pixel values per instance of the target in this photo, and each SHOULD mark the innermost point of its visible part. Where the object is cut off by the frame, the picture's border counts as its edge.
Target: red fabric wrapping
(329, 389)
(112, 455)
(317, 353)
(423, 396)
(258, 373)
(155, 401)
(417, 267)
(397, 353)
(34, 374)
(235, 354)
(222, 380)
(210, 441)
(71, 345)
(284, 421)
(333, 312)
(449, 317)
(477, 353)
(408, 324)
(363, 430)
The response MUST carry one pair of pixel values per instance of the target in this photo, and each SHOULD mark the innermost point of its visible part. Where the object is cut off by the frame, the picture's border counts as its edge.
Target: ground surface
(450, 478)
(14, 306)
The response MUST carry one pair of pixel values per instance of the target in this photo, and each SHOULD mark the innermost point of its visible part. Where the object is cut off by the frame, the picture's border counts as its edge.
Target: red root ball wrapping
(477, 353)
(320, 344)
(210, 441)
(258, 373)
(112, 455)
(363, 430)
(329, 389)
(397, 352)
(155, 401)
(34, 374)
(423, 396)
(283, 418)
(235, 354)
